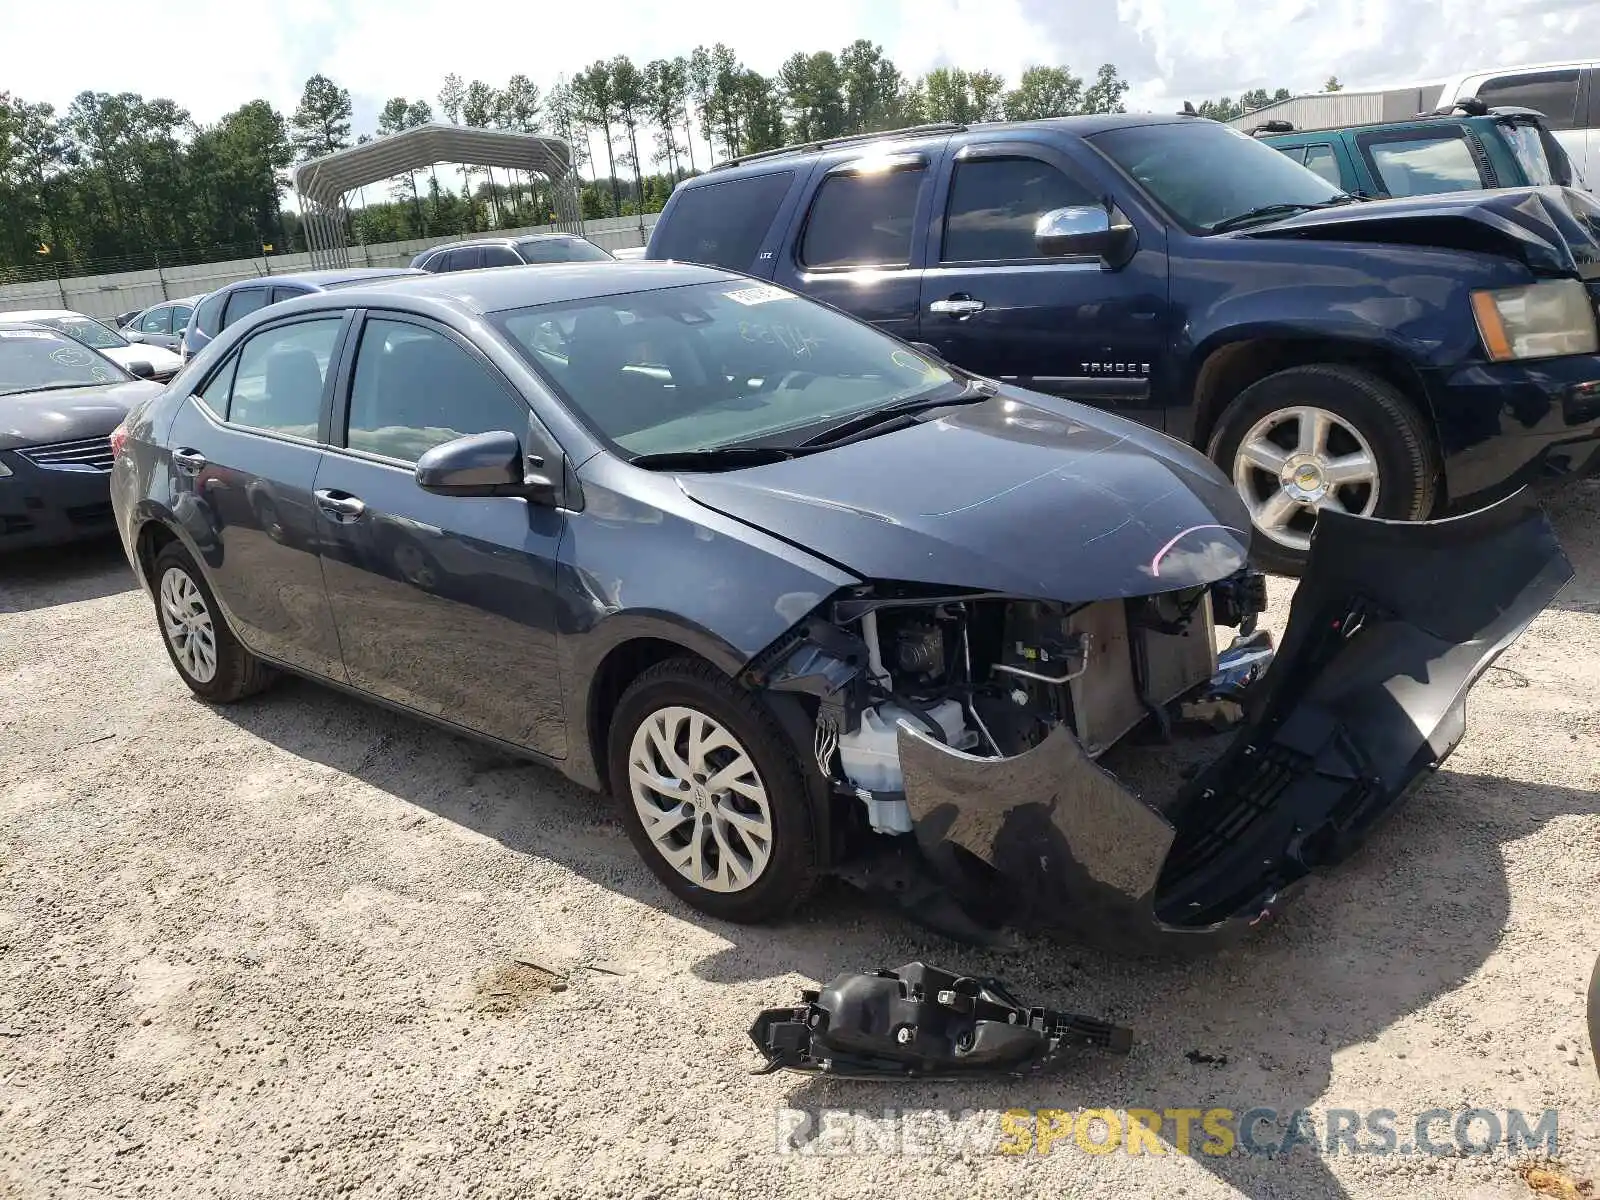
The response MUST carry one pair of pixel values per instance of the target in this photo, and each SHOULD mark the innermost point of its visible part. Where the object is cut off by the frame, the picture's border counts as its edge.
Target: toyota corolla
(804, 598)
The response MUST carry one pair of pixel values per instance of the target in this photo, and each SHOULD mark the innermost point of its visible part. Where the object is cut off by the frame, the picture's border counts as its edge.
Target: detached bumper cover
(922, 1022)
(1392, 624)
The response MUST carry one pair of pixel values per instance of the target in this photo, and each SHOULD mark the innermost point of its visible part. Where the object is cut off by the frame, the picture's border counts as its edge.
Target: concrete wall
(108, 295)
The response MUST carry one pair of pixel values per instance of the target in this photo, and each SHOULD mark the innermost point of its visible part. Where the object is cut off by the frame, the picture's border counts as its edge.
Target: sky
(211, 57)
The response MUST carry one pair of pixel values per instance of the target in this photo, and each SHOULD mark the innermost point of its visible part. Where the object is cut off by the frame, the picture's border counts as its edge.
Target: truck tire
(1323, 435)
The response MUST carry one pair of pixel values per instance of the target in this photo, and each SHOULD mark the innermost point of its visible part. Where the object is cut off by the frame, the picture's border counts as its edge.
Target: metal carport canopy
(327, 179)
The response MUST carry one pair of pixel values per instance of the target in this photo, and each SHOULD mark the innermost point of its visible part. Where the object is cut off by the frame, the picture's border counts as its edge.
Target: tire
(1362, 418)
(218, 669)
(670, 696)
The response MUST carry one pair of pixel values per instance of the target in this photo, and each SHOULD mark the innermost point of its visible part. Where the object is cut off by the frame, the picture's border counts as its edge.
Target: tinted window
(180, 317)
(1204, 173)
(464, 259)
(242, 303)
(714, 364)
(157, 320)
(1553, 93)
(277, 385)
(279, 294)
(862, 220)
(499, 256)
(209, 313)
(995, 204)
(1320, 158)
(558, 250)
(415, 388)
(1421, 165)
(722, 224)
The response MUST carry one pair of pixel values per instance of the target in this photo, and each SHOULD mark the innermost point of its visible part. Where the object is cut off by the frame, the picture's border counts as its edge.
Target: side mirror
(131, 335)
(1085, 231)
(140, 369)
(485, 464)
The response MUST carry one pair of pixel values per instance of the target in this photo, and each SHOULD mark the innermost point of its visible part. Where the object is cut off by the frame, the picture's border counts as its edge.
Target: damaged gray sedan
(805, 599)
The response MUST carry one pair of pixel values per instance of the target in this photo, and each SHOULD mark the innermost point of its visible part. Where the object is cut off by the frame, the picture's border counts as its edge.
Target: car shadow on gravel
(52, 575)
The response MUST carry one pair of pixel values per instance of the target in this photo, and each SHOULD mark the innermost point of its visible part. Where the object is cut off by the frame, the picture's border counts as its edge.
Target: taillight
(119, 435)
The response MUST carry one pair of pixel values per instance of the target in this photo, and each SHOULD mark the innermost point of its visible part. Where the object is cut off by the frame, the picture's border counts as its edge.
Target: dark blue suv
(1398, 358)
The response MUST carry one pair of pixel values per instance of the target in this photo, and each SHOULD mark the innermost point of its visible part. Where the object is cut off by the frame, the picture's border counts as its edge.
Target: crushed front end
(969, 736)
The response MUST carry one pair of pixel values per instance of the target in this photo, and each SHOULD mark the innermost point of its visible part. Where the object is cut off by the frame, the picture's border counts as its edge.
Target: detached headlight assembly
(1542, 320)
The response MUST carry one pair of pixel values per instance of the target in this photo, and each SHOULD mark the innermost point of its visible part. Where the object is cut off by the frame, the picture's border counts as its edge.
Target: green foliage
(120, 181)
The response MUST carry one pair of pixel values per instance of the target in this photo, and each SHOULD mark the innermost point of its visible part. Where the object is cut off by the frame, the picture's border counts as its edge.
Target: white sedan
(99, 336)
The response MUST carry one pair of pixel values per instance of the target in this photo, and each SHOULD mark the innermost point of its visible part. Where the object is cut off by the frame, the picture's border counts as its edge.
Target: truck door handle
(340, 507)
(956, 306)
(188, 460)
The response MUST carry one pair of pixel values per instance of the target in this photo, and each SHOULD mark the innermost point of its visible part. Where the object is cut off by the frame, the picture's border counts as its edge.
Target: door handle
(339, 506)
(956, 306)
(188, 460)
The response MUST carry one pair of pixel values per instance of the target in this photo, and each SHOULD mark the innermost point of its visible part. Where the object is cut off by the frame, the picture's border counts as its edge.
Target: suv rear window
(862, 220)
(722, 224)
(208, 316)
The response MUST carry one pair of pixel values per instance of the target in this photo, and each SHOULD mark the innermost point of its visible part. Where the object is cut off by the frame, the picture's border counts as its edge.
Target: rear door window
(280, 294)
(499, 256)
(209, 314)
(242, 303)
(467, 258)
(278, 383)
(1321, 159)
(995, 203)
(722, 224)
(862, 219)
(1553, 93)
(1412, 164)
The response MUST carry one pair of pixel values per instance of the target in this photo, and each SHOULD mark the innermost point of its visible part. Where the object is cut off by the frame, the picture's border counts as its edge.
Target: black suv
(533, 250)
(1398, 358)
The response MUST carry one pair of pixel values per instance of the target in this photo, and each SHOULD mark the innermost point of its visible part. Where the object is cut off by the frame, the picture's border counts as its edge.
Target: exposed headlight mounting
(1540, 320)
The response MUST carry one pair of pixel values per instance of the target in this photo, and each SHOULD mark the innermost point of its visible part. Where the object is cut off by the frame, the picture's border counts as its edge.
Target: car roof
(488, 291)
(1078, 126)
(322, 279)
(35, 314)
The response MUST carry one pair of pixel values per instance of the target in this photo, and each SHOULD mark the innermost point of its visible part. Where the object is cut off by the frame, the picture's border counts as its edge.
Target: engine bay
(992, 676)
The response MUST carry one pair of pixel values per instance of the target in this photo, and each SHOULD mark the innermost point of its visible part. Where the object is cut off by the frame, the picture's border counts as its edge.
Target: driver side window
(995, 204)
(414, 388)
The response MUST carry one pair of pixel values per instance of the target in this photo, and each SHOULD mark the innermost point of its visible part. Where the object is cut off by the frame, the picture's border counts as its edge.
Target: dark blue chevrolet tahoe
(1400, 358)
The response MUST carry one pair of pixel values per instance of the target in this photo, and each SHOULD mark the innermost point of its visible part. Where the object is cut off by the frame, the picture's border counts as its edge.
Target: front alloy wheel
(701, 799)
(1295, 462)
(712, 793)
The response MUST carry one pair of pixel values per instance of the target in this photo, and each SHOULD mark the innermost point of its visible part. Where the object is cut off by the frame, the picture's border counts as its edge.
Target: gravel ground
(273, 951)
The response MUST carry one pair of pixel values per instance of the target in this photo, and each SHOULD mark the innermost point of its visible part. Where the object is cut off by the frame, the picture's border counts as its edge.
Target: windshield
(86, 330)
(32, 359)
(714, 365)
(1204, 174)
(560, 250)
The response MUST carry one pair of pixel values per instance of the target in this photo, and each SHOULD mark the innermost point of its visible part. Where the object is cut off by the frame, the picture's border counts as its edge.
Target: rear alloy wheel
(202, 647)
(711, 793)
(1322, 438)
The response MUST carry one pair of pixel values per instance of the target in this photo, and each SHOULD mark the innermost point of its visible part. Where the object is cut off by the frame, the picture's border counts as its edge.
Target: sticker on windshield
(38, 334)
(757, 295)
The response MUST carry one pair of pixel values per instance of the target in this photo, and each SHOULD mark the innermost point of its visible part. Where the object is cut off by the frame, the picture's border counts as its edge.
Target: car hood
(45, 418)
(1553, 231)
(161, 359)
(1020, 494)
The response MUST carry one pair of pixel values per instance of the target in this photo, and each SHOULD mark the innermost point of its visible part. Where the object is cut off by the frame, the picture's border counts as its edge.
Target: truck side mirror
(1086, 231)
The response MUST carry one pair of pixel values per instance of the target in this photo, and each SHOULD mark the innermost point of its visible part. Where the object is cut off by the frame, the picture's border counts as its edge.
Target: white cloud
(211, 57)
